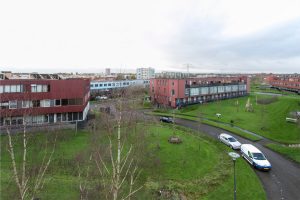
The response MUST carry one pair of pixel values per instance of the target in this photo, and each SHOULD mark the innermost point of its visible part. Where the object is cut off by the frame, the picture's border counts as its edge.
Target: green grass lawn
(266, 120)
(59, 179)
(225, 190)
(198, 168)
(292, 153)
(211, 123)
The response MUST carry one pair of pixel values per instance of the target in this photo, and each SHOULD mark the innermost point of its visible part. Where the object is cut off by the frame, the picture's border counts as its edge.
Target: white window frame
(45, 103)
(33, 88)
(14, 103)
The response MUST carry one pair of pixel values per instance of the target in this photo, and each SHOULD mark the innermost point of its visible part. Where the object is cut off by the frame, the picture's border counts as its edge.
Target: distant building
(42, 99)
(145, 73)
(100, 86)
(285, 82)
(177, 92)
(107, 71)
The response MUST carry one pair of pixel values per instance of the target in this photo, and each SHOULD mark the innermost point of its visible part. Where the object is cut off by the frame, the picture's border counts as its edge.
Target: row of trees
(109, 168)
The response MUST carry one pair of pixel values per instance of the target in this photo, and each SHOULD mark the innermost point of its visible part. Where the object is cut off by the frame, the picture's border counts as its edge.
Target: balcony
(212, 84)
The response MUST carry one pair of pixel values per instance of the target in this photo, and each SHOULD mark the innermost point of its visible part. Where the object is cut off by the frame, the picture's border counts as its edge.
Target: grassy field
(292, 153)
(197, 168)
(267, 120)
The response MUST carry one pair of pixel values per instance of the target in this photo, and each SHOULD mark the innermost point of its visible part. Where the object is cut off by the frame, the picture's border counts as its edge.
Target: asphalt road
(282, 182)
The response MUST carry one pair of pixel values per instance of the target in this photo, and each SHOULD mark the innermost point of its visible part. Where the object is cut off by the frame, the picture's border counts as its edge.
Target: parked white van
(255, 157)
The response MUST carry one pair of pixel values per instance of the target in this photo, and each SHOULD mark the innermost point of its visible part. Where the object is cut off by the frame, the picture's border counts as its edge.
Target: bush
(266, 101)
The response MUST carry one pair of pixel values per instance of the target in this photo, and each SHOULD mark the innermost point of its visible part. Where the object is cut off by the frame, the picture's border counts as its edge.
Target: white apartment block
(145, 73)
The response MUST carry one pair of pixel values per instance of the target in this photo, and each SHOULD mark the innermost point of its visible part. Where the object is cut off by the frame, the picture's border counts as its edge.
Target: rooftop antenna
(188, 69)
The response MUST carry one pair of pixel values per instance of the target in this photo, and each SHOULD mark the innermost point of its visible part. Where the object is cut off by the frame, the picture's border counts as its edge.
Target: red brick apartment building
(285, 82)
(42, 98)
(176, 92)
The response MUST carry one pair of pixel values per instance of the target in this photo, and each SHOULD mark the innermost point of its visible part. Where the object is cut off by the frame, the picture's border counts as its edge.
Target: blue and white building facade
(98, 86)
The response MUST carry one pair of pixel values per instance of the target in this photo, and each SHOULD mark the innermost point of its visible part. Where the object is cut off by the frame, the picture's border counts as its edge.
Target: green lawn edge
(292, 153)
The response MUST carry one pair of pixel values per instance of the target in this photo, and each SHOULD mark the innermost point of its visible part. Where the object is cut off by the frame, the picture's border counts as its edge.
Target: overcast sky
(209, 35)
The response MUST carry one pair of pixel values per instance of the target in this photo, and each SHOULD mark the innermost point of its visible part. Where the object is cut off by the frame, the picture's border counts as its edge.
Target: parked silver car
(229, 141)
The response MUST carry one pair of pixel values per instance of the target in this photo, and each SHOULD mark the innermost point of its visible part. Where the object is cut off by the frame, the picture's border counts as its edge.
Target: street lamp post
(234, 156)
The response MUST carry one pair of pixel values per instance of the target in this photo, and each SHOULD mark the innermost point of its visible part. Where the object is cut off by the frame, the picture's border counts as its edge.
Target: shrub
(266, 101)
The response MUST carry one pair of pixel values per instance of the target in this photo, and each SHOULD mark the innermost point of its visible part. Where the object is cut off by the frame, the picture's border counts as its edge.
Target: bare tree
(27, 185)
(118, 161)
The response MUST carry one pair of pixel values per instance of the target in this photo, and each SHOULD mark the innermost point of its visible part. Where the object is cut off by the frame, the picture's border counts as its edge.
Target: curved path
(282, 182)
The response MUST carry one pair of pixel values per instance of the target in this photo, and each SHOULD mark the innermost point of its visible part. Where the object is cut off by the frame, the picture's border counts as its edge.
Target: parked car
(229, 141)
(166, 119)
(255, 157)
(101, 97)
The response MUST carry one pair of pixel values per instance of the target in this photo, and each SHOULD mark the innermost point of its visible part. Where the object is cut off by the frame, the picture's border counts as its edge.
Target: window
(26, 104)
(46, 118)
(78, 101)
(75, 116)
(13, 104)
(96, 85)
(92, 85)
(36, 103)
(105, 85)
(58, 117)
(80, 117)
(57, 102)
(100, 85)
(13, 88)
(4, 105)
(20, 121)
(69, 116)
(19, 104)
(64, 102)
(109, 84)
(33, 88)
(52, 102)
(45, 103)
(45, 88)
(173, 92)
(64, 117)
(19, 88)
(39, 88)
(71, 101)
(1, 88)
(7, 88)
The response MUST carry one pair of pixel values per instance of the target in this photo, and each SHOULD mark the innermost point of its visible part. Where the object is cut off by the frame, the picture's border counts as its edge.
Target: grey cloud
(274, 49)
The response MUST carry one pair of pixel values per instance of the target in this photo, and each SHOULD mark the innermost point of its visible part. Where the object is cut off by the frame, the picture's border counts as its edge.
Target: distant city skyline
(212, 36)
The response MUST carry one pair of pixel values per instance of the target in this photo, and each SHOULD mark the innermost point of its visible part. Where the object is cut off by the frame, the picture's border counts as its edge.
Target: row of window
(119, 84)
(40, 88)
(40, 119)
(14, 104)
(21, 88)
(111, 84)
(11, 88)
